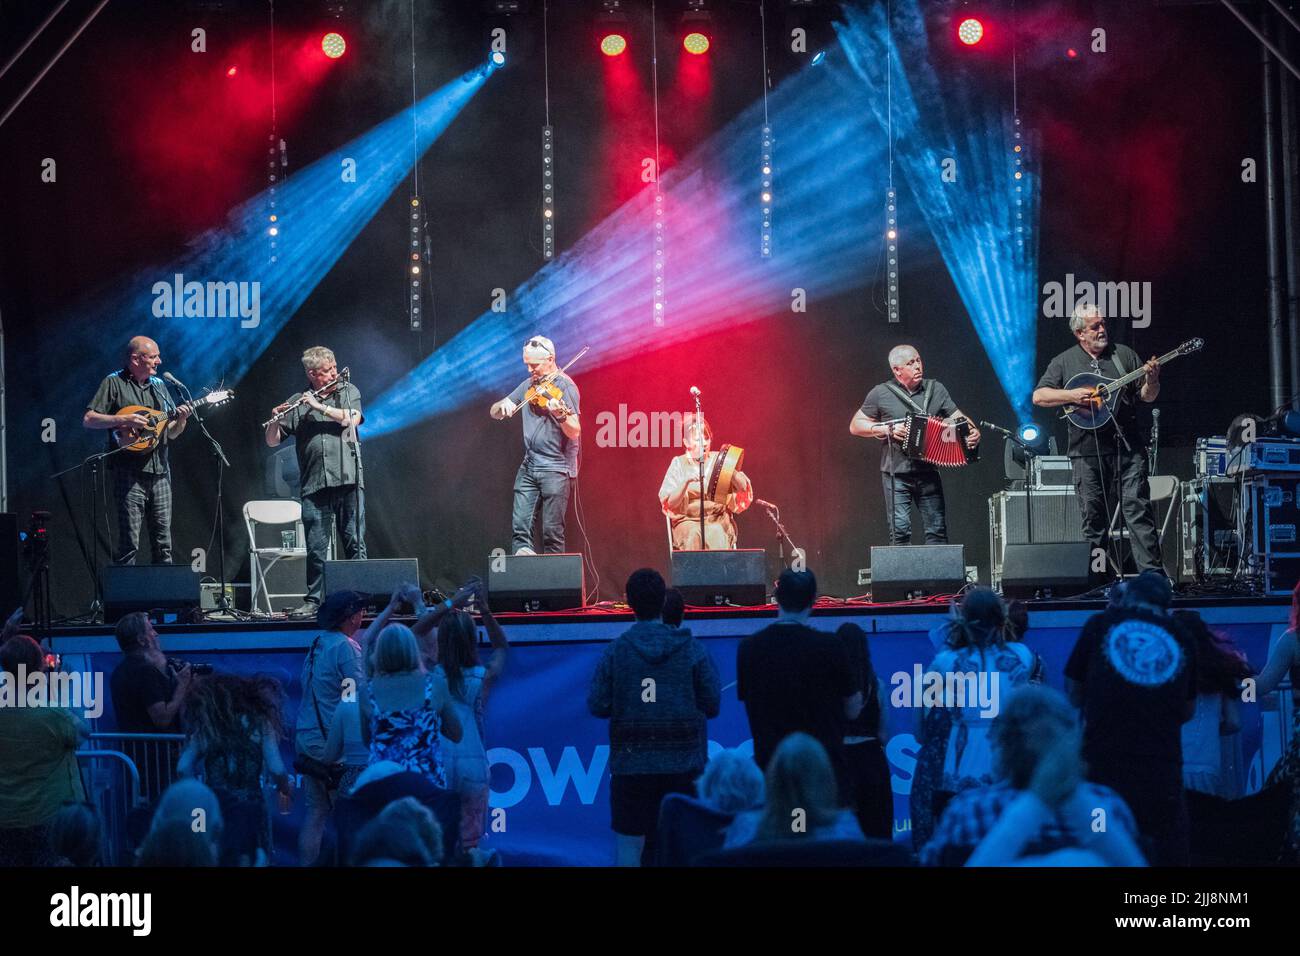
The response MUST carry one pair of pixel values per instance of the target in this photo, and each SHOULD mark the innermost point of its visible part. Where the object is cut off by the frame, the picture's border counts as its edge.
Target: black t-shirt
(793, 678)
(1138, 671)
(324, 459)
(136, 686)
(115, 393)
(1084, 442)
(884, 403)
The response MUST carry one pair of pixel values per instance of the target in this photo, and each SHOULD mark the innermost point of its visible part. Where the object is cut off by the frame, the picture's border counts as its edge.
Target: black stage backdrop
(1141, 160)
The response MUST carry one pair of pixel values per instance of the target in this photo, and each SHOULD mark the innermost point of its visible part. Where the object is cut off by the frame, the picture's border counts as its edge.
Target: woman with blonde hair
(800, 799)
(405, 707)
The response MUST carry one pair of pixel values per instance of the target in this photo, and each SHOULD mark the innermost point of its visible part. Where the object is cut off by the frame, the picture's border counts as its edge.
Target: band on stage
(703, 489)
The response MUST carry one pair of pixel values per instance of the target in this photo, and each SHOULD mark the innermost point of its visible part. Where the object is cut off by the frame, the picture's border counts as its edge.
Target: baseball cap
(339, 606)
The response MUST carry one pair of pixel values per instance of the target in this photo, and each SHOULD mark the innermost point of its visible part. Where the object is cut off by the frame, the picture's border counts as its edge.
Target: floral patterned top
(410, 737)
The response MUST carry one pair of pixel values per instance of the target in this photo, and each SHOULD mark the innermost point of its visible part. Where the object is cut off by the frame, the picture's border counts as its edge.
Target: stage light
(821, 55)
(232, 71)
(498, 58)
(273, 231)
(1029, 433)
(891, 235)
(970, 31)
(613, 44)
(1072, 53)
(333, 45)
(695, 42)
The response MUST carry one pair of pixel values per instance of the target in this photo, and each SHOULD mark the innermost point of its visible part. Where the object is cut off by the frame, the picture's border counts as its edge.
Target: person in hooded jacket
(658, 687)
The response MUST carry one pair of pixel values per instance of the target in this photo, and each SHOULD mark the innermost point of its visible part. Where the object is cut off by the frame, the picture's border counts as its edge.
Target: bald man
(908, 481)
(142, 483)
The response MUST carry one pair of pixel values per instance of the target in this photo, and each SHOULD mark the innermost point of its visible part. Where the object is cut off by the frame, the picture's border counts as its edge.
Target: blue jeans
(552, 488)
(347, 506)
(925, 489)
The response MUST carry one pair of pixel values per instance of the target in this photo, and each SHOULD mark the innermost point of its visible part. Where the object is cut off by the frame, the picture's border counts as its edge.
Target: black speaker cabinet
(1046, 570)
(903, 572)
(11, 594)
(377, 578)
(535, 582)
(718, 578)
(149, 587)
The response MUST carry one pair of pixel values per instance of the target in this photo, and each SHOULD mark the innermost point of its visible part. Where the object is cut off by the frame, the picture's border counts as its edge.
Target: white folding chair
(285, 513)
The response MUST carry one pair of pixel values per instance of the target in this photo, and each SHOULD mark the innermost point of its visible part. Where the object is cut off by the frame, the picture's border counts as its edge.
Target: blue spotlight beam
(984, 223)
(321, 209)
(598, 291)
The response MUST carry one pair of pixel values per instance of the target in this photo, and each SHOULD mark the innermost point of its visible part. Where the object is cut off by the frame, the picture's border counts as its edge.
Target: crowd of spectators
(1123, 768)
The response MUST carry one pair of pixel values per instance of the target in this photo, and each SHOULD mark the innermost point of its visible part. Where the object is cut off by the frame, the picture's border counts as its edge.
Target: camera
(198, 670)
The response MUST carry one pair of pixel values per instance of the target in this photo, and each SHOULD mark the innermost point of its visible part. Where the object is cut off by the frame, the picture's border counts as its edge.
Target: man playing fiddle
(552, 433)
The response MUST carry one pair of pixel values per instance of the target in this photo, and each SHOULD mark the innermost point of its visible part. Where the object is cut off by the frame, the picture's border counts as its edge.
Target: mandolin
(144, 438)
(1106, 391)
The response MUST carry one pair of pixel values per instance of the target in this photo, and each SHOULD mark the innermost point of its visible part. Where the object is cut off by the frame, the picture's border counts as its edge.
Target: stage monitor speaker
(149, 587)
(377, 578)
(1058, 570)
(903, 572)
(720, 578)
(11, 593)
(536, 582)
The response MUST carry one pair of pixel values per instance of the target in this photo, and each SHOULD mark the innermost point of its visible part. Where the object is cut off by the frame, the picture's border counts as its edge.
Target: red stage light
(970, 31)
(232, 71)
(333, 45)
(695, 42)
(613, 44)
(1072, 53)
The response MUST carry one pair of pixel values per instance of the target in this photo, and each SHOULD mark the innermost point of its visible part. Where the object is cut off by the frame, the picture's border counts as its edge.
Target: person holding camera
(148, 692)
(331, 673)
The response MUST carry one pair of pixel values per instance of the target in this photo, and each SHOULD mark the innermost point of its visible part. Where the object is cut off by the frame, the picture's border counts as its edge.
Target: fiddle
(545, 396)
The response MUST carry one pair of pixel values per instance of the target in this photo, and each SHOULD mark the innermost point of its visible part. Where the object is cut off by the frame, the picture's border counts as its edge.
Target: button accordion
(938, 441)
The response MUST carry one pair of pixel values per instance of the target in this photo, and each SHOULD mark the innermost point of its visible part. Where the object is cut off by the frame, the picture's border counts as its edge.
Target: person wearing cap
(1133, 674)
(329, 460)
(331, 673)
(551, 447)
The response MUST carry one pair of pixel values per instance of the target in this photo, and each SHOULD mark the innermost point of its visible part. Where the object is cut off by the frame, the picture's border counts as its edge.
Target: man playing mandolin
(1109, 461)
(679, 494)
(548, 402)
(142, 484)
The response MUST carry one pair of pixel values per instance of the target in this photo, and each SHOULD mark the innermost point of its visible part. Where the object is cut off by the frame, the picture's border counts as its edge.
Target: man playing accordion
(906, 479)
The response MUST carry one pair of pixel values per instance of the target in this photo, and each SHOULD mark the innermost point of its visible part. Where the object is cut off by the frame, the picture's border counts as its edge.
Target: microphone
(695, 391)
(169, 377)
(996, 428)
(346, 374)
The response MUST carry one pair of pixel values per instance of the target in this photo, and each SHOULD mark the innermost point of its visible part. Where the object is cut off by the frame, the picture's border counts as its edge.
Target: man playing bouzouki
(142, 484)
(1110, 461)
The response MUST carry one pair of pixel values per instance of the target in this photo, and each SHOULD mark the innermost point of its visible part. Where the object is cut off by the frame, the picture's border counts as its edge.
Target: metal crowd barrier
(124, 775)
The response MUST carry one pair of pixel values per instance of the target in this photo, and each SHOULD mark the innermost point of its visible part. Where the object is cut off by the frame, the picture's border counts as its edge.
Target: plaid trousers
(139, 498)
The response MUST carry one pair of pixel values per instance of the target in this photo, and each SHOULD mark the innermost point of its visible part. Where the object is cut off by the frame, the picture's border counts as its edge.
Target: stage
(549, 799)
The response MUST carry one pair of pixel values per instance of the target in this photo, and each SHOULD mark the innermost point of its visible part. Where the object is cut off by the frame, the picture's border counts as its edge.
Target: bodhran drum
(723, 472)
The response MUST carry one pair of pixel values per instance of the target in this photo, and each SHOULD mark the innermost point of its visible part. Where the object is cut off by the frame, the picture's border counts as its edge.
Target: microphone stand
(1030, 455)
(356, 466)
(782, 536)
(96, 489)
(224, 604)
(699, 431)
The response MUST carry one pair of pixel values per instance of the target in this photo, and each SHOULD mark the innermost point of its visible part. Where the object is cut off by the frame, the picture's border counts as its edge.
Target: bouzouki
(1106, 391)
(143, 438)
